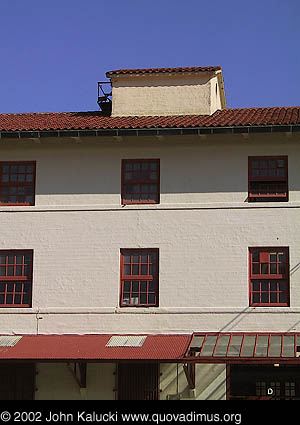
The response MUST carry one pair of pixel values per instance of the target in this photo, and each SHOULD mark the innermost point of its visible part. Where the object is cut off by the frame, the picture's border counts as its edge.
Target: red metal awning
(94, 347)
(261, 346)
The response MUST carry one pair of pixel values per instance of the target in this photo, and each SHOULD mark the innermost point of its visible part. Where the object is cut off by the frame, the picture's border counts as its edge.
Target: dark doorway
(138, 381)
(264, 382)
(17, 381)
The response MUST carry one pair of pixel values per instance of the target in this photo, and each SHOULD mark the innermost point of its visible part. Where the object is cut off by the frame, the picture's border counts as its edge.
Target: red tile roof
(97, 120)
(93, 347)
(163, 70)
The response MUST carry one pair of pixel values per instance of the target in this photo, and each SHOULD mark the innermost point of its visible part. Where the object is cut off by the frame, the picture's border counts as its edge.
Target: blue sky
(53, 53)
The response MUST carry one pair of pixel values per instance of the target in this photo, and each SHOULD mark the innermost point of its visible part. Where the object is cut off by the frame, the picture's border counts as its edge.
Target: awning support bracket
(190, 373)
(79, 372)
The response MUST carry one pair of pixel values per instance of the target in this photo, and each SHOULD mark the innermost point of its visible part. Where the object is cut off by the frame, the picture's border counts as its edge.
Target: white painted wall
(202, 227)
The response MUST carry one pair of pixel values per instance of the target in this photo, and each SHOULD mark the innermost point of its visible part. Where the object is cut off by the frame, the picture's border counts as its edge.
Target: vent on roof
(9, 341)
(126, 341)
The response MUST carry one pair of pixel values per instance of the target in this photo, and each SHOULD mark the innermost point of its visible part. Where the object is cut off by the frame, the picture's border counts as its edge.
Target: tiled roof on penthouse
(164, 70)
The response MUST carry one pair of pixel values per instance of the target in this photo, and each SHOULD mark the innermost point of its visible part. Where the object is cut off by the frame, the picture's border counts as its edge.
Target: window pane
(125, 298)
(127, 269)
(143, 299)
(282, 297)
(272, 163)
(263, 163)
(264, 268)
(255, 285)
(153, 197)
(273, 268)
(134, 298)
(9, 299)
(18, 270)
(17, 299)
(151, 286)
(144, 258)
(144, 268)
(135, 286)
(271, 173)
(10, 287)
(28, 190)
(255, 256)
(10, 270)
(11, 259)
(126, 286)
(151, 299)
(248, 346)
(255, 268)
(29, 199)
(2, 259)
(152, 258)
(135, 269)
(26, 287)
(280, 172)
(143, 286)
(280, 163)
(135, 197)
(18, 287)
(264, 297)
(25, 299)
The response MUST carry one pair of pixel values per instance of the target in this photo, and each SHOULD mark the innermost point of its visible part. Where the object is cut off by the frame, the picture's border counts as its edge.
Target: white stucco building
(151, 249)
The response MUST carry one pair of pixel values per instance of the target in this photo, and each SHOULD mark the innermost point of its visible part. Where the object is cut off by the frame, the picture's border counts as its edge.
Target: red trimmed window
(139, 277)
(268, 178)
(17, 183)
(15, 278)
(140, 181)
(269, 276)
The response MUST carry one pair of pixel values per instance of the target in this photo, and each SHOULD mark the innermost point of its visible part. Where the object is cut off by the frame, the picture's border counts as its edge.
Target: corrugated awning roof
(255, 346)
(97, 347)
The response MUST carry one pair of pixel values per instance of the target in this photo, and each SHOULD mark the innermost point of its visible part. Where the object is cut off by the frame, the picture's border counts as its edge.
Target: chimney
(167, 91)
